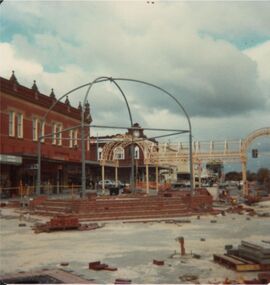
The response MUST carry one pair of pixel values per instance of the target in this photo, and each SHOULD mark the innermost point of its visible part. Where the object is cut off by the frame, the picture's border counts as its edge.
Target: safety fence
(48, 189)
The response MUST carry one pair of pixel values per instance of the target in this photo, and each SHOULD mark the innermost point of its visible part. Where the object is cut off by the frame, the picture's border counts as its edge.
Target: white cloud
(161, 43)
(261, 55)
(10, 60)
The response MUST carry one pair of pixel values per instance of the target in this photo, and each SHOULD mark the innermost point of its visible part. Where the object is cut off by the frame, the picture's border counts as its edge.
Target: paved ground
(131, 247)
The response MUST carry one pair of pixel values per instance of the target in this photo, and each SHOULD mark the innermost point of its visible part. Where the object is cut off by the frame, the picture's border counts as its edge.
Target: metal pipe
(132, 136)
(83, 182)
(136, 128)
(39, 168)
(83, 177)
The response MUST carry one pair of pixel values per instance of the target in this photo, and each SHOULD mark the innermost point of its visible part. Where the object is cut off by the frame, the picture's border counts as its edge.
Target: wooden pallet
(239, 264)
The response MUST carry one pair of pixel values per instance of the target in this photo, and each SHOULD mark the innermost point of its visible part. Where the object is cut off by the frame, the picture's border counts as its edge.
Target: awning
(10, 159)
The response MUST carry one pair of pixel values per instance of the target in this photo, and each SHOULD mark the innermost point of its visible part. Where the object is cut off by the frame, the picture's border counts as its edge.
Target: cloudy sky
(213, 56)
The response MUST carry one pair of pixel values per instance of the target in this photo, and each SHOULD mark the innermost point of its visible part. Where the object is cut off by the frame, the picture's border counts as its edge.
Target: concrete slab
(131, 247)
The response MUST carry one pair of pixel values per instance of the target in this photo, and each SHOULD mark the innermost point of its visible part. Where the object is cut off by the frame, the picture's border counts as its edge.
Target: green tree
(233, 176)
(251, 176)
(263, 175)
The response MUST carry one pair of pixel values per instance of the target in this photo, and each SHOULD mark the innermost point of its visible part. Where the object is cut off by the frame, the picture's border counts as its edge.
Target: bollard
(182, 245)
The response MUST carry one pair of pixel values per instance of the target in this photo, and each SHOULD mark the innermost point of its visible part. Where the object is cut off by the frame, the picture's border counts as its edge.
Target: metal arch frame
(40, 137)
(101, 79)
(182, 109)
(131, 121)
(83, 125)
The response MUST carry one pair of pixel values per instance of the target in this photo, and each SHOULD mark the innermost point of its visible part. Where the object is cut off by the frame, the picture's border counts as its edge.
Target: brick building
(117, 150)
(21, 121)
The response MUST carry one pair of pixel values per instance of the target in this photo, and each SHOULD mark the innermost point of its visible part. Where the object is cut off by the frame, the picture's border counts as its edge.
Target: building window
(54, 130)
(59, 134)
(20, 125)
(75, 137)
(38, 130)
(100, 153)
(35, 129)
(88, 143)
(119, 153)
(42, 126)
(70, 138)
(137, 152)
(11, 124)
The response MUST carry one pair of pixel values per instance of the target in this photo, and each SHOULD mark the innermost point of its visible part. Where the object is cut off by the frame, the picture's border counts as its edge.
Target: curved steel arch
(97, 80)
(182, 109)
(101, 79)
(90, 84)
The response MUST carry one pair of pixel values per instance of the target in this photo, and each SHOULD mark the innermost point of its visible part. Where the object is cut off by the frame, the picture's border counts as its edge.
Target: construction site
(158, 228)
(171, 238)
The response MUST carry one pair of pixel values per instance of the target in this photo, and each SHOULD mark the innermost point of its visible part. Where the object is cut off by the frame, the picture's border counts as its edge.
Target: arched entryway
(245, 144)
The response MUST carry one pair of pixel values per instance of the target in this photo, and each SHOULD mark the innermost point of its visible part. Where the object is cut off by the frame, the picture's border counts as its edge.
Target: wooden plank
(228, 259)
(248, 267)
(241, 259)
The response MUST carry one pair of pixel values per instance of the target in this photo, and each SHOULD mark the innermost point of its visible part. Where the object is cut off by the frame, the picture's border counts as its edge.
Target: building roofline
(34, 96)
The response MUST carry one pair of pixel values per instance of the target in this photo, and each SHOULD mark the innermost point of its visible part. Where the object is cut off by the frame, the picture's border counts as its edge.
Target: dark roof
(12, 88)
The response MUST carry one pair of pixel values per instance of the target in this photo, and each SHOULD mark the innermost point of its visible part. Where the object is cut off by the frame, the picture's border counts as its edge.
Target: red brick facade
(21, 118)
(22, 114)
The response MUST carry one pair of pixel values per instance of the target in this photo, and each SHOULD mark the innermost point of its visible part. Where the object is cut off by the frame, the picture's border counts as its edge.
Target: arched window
(137, 152)
(119, 153)
(99, 154)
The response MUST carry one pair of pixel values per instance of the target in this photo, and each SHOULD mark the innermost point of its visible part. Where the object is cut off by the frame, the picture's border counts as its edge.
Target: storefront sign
(10, 159)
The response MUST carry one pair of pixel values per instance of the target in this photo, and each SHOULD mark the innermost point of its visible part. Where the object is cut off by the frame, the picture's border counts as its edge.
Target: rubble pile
(240, 209)
(248, 256)
(64, 223)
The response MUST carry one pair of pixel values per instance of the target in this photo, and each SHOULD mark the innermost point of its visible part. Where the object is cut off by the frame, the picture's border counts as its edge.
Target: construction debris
(122, 281)
(264, 215)
(240, 209)
(44, 276)
(256, 251)
(188, 277)
(263, 278)
(249, 256)
(250, 200)
(175, 221)
(158, 262)
(97, 265)
(63, 223)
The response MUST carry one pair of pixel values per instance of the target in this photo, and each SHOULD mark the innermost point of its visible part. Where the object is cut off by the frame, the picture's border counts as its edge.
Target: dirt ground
(131, 247)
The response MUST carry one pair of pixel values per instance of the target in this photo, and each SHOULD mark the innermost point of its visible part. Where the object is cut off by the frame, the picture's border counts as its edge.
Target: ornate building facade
(22, 124)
